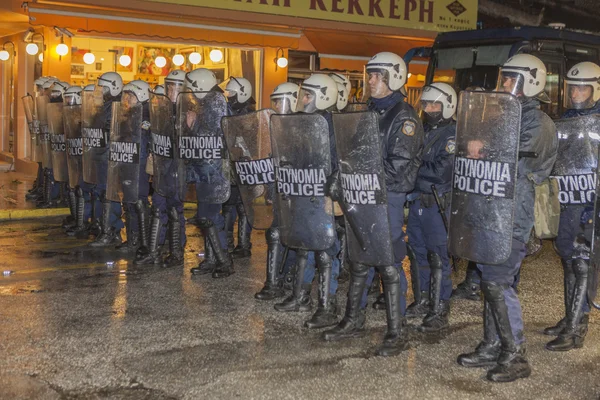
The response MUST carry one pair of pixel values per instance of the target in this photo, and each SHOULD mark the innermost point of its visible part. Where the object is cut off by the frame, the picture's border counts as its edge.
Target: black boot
(152, 258)
(395, 340)
(228, 215)
(143, 232)
(487, 352)
(439, 310)
(94, 229)
(132, 242)
(572, 336)
(353, 323)
(288, 278)
(206, 266)
(274, 284)
(224, 265)
(468, 289)
(300, 299)
(344, 267)
(175, 258)
(79, 201)
(47, 191)
(69, 222)
(415, 281)
(326, 314)
(568, 289)
(109, 235)
(242, 250)
(512, 362)
(418, 309)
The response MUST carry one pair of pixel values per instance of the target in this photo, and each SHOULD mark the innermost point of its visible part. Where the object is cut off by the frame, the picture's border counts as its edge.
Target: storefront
(266, 41)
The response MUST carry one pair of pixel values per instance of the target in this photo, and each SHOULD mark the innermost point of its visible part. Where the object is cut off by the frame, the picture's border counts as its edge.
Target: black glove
(333, 187)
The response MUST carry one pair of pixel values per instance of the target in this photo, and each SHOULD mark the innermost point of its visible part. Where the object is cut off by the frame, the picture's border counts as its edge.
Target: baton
(442, 211)
(283, 259)
(528, 154)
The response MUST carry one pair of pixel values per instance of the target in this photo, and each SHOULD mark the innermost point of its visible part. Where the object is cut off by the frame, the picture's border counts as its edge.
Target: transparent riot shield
(201, 145)
(594, 261)
(33, 124)
(93, 133)
(364, 192)
(249, 144)
(72, 122)
(58, 145)
(124, 155)
(167, 170)
(356, 107)
(484, 177)
(41, 104)
(302, 160)
(577, 159)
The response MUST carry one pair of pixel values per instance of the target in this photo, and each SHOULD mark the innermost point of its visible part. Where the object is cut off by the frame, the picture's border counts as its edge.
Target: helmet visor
(281, 104)
(71, 99)
(432, 111)
(578, 96)
(172, 90)
(510, 82)
(376, 83)
(307, 101)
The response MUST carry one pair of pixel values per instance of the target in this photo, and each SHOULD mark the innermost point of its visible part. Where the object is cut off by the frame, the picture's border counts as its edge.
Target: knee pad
(581, 267)
(272, 235)
(389, 274)
(493, 291)
(322, 259)
(434, 259)
(205, 223)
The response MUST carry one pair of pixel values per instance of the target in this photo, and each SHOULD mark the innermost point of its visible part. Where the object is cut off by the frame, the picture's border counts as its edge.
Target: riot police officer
(36, 192)
(581, 99)
(211, 176)
(503, 345)
(402, 136)
(318, 94)
(425, 229)
(283, 101)
(167, 195)
(110, 211)
(239, 101)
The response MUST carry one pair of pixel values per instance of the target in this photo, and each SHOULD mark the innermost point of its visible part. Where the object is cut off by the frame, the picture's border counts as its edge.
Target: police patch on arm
(408, 128)
(450, 146)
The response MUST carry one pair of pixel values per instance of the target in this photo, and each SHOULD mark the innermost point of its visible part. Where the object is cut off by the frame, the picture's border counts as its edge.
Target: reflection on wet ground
(74, 327)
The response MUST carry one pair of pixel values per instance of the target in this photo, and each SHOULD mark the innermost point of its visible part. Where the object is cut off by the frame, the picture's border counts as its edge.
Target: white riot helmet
(159, 89)
(200, 80)
(39, 82)
(318, 92)
(89, 88)
(391, 66)
(140, 89)
(58, 88)
(582, 86)
(174, 83)
(49, 82)
(239, 88)
(438, 93)
(284, 98)
(523, 74)
(111, 83)
(72, 96)
(343, 86)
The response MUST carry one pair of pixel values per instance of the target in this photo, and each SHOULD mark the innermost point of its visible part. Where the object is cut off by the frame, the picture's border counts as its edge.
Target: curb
(31, 213)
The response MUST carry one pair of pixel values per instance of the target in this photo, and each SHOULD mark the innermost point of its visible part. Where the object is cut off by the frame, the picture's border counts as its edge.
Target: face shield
(511, 82)
(129, 100)
(578, 96)
(71, 99)
(376, 84)
(55, 94)
(433, 111)
(105, 85)
(172, 90)
(281, 105)
(307, 101)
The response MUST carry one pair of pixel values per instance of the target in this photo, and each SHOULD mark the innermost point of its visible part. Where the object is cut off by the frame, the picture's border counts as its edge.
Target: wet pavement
(72, 327)
(13, 187)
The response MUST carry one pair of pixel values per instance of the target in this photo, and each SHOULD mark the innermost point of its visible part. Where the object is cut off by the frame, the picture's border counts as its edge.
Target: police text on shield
(200, 147)
(125, 152)
(255, 172)
(361, 188)
(75, 146)
(576, 189)
(58, 143)
(93, 138)
(162, 145)
(484, 177)
(301, 182)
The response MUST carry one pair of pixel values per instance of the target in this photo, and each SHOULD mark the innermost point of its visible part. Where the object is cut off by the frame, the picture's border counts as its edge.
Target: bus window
(552, 89)
(576, 54)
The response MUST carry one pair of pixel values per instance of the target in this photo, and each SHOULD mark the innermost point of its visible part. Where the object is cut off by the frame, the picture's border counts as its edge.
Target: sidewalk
(13, 206)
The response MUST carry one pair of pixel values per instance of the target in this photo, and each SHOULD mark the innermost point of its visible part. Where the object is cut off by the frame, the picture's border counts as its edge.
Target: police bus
(470, 59)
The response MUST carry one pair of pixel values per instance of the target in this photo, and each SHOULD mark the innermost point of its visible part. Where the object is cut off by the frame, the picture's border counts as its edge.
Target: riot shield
(302, 160)
(356, 107)
(41, 104)
(93, 133)
(34, 128)
(124, 156)
(58, 143)
(72, 122)
(594, 262)
(167, 169)
(576, 161)
(201, 145)
(249, 144)
(484, 177)
(362, 179)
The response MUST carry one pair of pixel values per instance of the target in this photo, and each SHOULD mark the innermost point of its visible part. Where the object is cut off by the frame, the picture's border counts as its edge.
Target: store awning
(351, 44)
(155, 27)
